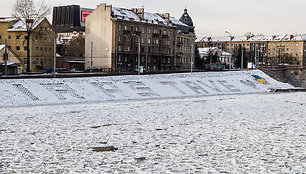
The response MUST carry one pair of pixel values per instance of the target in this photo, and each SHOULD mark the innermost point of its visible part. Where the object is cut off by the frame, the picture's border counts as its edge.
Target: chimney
(135, 10)
(167, 17)
(291, 36)
(140, 13)
(273, 37)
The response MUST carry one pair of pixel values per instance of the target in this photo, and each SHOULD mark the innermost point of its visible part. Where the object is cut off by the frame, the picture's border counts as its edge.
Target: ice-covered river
(252, 133)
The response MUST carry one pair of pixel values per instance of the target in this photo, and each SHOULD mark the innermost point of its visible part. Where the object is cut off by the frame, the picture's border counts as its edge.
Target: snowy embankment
(96, 89)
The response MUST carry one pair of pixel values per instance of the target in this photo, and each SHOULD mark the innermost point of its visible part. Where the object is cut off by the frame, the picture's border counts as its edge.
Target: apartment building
(185, 41)
(268, 50)
(113, 36)
(41, 42)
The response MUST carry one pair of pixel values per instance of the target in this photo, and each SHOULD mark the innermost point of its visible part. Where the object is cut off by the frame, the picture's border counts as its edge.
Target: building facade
(41, 42)
(114, 37)
(185, 42)
(265, 50)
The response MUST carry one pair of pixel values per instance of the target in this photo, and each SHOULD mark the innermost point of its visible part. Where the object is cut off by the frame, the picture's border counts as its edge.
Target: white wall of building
(99, 32)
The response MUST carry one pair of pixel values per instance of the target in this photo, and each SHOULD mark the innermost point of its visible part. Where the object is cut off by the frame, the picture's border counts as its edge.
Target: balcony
(138, 33)
(165, 36)
(155, 35)
(126, 31)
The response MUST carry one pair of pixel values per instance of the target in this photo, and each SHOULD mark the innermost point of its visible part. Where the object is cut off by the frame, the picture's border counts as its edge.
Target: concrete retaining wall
(23, 92)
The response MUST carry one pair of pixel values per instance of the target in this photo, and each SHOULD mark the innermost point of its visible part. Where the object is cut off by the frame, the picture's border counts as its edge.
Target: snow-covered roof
(129, 15)
(7, 19)
(255, 38)
(240, 38)
(1, 47)
(213, 39)
(20, 25)
(298, 37)
(177, 22)
(10, 64)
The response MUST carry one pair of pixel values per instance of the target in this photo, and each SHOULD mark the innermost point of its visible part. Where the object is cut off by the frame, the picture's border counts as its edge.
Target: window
(36, 49)
(119, 58)
(143, 30)
(149, 41)
(17, 37)
(149, 31)
(119, 48)
(25, 48)
(119, 27)
(45, 39)
(125, 27)
(125, 59)
(297, 44)
(156, 41)
(45, 29)
(119, 38)
(9, 37)
(0, 37)
(45, 49)
(17, 48)
(36, 38)
(136, 29)
(142, 40)
(41, 49)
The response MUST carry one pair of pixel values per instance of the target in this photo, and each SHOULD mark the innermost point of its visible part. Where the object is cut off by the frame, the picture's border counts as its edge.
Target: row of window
(17, 37)
(142, 30)
(125, 59)
(26, 37)
(155, 41)
(283, 49)
(296, 54)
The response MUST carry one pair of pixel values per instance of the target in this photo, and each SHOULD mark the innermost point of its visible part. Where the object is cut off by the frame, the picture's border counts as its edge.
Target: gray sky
(213, 17)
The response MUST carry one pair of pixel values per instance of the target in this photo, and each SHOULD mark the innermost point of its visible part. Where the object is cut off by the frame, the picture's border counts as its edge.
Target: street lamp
(231, 37)
(138, 52)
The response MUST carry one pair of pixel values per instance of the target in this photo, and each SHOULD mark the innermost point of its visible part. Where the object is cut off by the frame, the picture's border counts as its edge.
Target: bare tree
(30, 15)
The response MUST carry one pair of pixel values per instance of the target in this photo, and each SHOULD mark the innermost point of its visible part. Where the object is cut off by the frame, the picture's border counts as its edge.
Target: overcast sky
(213, 17)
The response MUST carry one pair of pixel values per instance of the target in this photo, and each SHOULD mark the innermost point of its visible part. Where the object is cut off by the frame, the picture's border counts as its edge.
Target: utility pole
(138, 52)
(5, 58)
(54, 64)
(91, 51)
(242, 59)
(191, 62)
(231, 37)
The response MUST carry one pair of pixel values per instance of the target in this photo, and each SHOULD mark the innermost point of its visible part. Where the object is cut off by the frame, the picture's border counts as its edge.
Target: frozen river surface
(256, 133)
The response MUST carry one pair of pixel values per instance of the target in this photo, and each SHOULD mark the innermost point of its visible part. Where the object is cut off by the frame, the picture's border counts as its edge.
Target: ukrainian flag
(260, 79)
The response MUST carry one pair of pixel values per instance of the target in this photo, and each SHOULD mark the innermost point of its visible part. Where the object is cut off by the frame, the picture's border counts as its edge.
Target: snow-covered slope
(76, 90)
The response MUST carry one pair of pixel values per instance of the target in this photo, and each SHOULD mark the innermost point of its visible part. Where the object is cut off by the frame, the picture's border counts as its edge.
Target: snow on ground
(249, 133)
(81, 90)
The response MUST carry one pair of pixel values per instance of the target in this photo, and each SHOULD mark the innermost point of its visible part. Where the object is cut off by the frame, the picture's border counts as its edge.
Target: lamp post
(231, 37)
(191, 61)
(5, 58)
(54, 63)
(138, 52)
